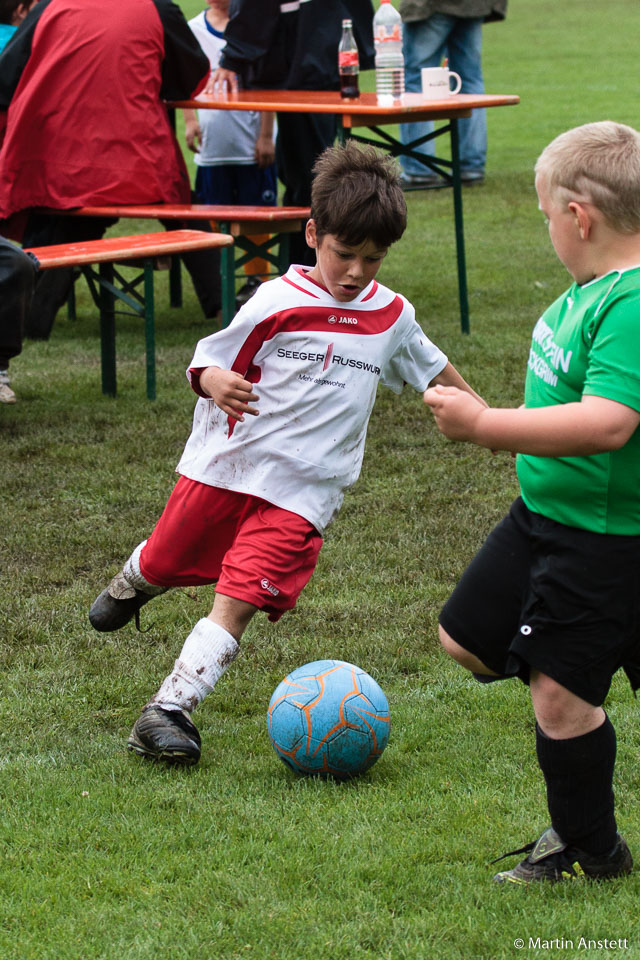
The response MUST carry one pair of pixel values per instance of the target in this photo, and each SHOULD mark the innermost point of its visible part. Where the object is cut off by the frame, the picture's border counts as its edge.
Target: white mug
(436, 82)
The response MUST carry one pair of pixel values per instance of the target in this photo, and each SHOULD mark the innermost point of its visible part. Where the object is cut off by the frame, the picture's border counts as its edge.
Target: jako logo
(264, 583)
(334, 319)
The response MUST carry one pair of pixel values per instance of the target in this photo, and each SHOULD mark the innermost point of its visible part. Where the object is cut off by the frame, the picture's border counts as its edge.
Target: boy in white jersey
(552, 597)
(285, 392)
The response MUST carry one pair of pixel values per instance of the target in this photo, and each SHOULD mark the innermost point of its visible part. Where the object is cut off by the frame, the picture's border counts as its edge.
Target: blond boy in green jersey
(553, 595)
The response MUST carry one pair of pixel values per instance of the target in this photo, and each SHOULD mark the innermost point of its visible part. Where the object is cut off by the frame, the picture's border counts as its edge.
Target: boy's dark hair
(8, 8)
(356, 196)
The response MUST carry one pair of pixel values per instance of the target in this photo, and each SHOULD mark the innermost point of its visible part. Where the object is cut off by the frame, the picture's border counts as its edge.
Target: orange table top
(365, 110)
(127, 248)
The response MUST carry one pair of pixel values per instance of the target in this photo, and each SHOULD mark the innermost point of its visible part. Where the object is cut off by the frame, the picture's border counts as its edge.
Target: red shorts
(251, 549)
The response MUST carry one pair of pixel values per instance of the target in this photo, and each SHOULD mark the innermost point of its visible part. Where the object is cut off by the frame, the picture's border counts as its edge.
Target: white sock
(207, 652)
(133, 575)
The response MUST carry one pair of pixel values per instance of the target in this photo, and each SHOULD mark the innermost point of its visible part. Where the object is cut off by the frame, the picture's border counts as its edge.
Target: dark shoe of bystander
(471, 178)
(428, 181)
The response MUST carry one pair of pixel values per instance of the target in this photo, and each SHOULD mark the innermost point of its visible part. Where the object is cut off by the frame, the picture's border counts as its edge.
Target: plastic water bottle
(387, 36)
(348, 62)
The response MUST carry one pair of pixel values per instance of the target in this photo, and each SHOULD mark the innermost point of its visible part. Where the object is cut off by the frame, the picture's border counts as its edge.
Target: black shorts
(558, 599)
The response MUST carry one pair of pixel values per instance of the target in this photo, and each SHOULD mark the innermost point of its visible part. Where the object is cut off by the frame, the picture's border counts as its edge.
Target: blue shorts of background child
(235, 149)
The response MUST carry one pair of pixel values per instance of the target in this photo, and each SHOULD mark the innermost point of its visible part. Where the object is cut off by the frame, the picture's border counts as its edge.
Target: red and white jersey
(316, 364)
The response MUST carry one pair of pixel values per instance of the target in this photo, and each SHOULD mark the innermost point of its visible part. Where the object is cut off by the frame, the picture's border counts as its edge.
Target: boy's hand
(265, 151)
(192, 135)
(230, 391)
(456, 412)
(222, 81)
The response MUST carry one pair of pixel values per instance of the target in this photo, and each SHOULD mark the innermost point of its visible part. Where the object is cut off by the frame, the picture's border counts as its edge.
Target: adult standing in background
(432, 31)
(294, 46)
(82, 86)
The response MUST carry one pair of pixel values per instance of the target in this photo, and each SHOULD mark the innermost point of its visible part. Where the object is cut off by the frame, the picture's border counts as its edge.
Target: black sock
(579, 775)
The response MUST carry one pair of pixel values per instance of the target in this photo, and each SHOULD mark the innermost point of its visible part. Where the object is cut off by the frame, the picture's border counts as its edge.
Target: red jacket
(82, 84)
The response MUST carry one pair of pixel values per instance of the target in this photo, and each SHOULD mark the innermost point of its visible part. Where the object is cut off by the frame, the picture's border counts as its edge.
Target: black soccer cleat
(168, 735)
(553, 860)
(118, 604)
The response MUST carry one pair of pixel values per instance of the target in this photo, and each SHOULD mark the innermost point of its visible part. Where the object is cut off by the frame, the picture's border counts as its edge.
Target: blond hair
(598, 163)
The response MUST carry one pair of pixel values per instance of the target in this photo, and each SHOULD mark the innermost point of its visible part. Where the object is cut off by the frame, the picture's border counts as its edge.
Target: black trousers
(17, 280)
(302, 137)
(53, 286)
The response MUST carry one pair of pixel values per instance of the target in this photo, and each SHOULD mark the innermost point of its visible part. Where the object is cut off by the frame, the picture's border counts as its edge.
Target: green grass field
(105, 856)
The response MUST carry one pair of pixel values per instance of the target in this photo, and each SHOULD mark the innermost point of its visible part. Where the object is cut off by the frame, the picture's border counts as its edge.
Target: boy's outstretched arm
(449, 377)
(230, 391)
(593, 425)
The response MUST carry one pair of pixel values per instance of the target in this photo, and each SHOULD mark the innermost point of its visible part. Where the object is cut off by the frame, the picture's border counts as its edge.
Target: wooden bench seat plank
(107, 285)
(127, 248)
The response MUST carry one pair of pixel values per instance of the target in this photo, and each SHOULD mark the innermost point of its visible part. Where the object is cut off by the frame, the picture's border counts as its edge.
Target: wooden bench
(107, 284)
(244, 224)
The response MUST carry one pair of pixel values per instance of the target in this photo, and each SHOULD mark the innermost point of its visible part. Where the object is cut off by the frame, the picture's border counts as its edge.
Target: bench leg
(283, 253)
(228, 270)
(107, 331)
(175, 281)
(71, 303)
(149, 328)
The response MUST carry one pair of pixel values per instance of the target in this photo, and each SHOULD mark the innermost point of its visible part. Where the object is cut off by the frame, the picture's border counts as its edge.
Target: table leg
(459, 225)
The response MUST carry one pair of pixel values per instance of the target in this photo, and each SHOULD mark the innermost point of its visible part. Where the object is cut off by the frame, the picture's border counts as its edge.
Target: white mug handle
(452, 73)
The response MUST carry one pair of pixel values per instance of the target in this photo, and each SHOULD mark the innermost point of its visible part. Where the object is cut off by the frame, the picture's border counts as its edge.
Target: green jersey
(587, 344)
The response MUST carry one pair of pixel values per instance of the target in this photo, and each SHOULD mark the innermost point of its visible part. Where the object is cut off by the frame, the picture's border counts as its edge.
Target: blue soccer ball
(329, 718)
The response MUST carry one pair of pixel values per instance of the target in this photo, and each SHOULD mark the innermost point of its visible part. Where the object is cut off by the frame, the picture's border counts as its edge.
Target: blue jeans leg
(465, 57)
(426, 43)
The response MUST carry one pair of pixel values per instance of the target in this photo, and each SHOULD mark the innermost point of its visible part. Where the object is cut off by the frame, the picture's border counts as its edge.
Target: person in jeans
(434, 31)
